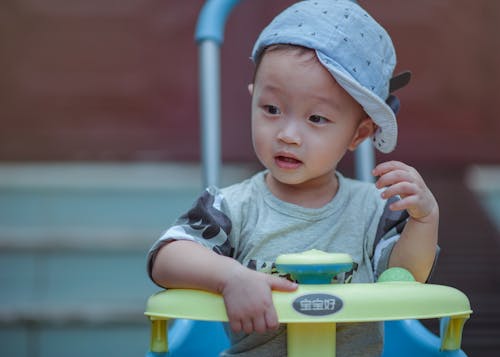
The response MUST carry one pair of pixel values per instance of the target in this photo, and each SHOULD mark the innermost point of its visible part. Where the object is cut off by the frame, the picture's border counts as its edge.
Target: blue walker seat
(409, 338)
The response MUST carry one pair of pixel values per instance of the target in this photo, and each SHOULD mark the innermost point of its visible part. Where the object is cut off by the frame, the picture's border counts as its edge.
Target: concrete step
(41, 283)
(73, 244)
(77, 340)
(73, 303)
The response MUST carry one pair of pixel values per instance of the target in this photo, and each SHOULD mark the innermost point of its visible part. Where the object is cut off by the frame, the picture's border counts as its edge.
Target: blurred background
(99, 152)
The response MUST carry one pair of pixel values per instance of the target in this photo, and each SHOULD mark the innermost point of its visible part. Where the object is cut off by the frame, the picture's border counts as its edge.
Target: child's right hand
(248, 300)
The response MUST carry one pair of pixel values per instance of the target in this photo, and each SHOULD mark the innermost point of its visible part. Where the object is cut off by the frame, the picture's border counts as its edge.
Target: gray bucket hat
(354, 48)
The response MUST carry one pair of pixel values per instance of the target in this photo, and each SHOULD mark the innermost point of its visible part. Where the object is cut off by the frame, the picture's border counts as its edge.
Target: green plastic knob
(395, 274)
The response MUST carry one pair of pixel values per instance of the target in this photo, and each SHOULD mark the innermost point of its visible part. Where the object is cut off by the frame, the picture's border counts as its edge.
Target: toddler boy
(323, 70)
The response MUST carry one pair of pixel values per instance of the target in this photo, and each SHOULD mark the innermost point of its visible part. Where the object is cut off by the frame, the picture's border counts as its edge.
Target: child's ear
(365, 128)
(250, 89)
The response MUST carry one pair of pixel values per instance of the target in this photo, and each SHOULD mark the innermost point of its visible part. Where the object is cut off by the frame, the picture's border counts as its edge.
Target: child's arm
(246, 293)
(416, 248)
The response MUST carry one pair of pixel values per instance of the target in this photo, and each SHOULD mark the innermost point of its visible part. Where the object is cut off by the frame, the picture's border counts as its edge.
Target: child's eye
(272, 109)
(318, 119)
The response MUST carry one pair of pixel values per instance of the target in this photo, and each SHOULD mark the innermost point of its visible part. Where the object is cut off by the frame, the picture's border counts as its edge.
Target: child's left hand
(403, 180)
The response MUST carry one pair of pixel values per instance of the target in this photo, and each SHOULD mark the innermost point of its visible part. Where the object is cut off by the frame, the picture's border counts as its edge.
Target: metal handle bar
(212, 19)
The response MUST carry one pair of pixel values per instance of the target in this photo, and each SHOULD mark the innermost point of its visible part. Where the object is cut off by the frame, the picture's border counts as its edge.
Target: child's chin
(288, 179)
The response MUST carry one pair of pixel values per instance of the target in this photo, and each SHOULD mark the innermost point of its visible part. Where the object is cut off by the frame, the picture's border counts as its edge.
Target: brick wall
(109, 80)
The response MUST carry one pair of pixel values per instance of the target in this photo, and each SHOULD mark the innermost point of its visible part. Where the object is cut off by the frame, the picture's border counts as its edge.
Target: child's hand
(248, 300)
(403, 180)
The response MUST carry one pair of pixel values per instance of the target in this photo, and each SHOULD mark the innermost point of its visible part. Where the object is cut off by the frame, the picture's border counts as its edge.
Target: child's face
(302, 120)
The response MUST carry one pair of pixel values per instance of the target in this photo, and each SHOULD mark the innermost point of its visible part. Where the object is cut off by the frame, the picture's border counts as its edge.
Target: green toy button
(395, 274)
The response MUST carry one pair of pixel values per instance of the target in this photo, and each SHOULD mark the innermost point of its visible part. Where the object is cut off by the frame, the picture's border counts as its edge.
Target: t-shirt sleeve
(206, 223)
(389, 229)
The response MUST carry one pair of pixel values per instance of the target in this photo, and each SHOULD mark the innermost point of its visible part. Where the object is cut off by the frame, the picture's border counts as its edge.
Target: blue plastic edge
(156, 354)
(415, 339)
(212, 19)
(197, 338)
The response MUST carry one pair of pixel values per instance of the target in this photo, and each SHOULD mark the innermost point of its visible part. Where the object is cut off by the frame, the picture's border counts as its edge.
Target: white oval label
(317, 304)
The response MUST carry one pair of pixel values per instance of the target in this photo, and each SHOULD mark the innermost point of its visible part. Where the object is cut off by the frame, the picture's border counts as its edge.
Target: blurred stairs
(73, 242)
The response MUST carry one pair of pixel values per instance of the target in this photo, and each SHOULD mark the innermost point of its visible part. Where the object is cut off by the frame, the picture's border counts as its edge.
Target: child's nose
(289, 133)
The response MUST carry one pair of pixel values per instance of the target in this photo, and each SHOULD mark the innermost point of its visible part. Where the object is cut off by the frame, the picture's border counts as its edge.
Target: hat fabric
(354, 48)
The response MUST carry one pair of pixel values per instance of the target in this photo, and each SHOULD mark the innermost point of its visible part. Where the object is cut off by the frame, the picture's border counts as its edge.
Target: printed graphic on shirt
(389, 230)
(206, 218)
(392, 222)
(208, 222)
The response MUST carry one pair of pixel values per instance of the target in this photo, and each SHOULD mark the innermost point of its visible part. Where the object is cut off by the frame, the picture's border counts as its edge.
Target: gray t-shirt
(247, 222)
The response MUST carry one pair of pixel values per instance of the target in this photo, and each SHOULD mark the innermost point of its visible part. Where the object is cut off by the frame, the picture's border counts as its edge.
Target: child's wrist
(431, 218)
(230, 273)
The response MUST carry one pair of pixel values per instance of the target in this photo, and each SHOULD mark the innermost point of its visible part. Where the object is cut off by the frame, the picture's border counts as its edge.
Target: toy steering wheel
(314, 266)
(313, 310)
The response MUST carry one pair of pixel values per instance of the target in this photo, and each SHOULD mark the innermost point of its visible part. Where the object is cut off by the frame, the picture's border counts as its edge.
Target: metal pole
(364, 160)
(209, 36)
(209, 63)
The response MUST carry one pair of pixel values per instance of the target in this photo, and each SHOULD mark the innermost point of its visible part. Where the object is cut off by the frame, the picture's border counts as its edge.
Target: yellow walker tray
(313, 310)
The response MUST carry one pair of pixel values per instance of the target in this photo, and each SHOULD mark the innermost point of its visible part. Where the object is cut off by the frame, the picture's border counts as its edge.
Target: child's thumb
(282, 284)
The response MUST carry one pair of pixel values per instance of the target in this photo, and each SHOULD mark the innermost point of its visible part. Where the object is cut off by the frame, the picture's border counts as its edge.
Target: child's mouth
(287, 162)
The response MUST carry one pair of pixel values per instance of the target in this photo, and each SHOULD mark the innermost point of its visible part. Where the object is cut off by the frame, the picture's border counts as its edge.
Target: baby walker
(312, 311)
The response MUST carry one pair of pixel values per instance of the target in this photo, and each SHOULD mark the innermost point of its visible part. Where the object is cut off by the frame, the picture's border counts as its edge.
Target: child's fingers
(387, 166)
(400, 179)
(236, 325)
(281, 284)
(402, 189)
(255, 312)
(394, 177)
(404, 204)
(247, 325)
(259, 324)
(271, 318)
